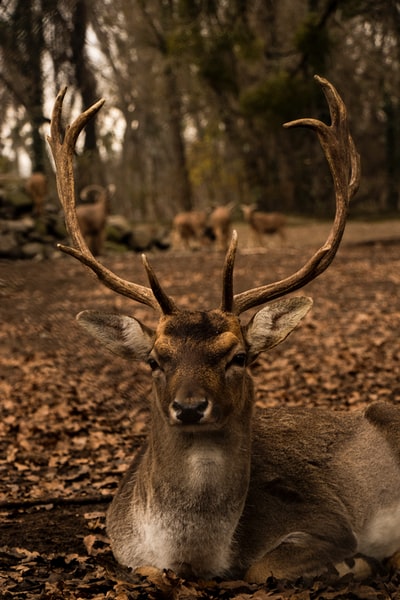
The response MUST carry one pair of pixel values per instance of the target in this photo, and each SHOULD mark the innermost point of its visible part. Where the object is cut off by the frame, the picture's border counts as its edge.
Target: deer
(264, 223)
(190, 229)
(36, 188)
(221, 489)
(220, 222)
(92, 216)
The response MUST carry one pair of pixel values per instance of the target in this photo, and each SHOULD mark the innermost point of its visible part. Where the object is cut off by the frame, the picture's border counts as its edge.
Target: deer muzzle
(190, 407)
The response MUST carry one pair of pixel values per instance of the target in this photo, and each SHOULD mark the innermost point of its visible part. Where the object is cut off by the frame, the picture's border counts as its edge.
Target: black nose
(191, 412)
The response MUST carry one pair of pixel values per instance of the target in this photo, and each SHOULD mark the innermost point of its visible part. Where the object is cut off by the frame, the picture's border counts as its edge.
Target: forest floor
(72, 415)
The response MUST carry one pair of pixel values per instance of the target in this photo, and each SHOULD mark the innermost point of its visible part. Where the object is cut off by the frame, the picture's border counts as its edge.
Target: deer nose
(189, 411)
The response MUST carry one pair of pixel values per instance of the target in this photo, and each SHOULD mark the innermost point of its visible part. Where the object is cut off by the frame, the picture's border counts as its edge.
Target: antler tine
(227, 277)
(62, 148)
(166, 304)
(344, 164)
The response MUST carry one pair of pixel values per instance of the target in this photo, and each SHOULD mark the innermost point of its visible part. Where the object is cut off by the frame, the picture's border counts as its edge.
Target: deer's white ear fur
(273, 323)
(122, 335)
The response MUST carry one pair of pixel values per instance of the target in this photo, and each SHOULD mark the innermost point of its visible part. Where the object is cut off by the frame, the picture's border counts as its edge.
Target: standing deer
(222, 490)
(220, 222)
(189, 229)
(262, 223)
(36, 188)
(92, 216)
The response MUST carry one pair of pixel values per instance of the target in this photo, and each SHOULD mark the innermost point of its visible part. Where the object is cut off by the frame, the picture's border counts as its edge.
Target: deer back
(329, 480)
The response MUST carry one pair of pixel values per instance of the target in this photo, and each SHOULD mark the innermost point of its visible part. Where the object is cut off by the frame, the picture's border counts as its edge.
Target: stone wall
(24, 235)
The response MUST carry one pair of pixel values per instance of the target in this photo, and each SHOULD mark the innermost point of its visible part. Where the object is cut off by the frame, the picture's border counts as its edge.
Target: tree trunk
(183, 186)
(89, 166)
(392, 111)
(29, 29)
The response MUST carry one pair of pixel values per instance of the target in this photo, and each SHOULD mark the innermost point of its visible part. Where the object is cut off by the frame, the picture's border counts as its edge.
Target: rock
(9, 247)
(118, 229)
(141, 238)
(24, 225)
(148, 235)
(33, 250)
(14, 202)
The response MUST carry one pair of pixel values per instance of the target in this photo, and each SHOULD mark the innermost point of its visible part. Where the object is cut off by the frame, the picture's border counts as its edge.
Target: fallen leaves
(72, 416)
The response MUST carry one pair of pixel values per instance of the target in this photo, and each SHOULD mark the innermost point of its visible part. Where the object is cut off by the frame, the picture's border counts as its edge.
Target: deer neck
(188, 499)
(212, 466)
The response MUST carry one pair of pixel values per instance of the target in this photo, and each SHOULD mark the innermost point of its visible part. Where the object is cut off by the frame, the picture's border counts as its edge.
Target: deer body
(262, 223)
(36, 187)
(220, 222)
(190, 228)
(219, 489)
(92, 216)
(331, 484)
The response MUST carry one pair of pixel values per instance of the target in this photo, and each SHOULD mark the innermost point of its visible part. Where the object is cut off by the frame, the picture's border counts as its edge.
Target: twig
(56, 501)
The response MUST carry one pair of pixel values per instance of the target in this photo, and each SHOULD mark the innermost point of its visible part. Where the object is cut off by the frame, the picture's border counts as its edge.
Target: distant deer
(262, 223)
(36, 188)
(189, 229)
(92, 216)
(222, 490)
(220, 222)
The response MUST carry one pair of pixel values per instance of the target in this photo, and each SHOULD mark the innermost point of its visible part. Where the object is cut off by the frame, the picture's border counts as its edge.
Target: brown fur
(36, 187)
(262, 223)
(220, 222)
(92, 216)
(189, 229)
(222, 491)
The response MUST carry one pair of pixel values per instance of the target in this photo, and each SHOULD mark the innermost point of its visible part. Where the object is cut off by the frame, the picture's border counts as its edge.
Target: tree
(34, 35)
(90, 168)
(22, 47)
(199, 92)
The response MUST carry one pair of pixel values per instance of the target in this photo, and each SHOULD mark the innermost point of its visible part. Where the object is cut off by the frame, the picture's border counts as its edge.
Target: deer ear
(272, 324)
(122, 335)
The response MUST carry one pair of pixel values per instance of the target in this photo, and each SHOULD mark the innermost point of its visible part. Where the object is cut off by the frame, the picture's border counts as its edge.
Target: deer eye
(153, 364)
(239, 360)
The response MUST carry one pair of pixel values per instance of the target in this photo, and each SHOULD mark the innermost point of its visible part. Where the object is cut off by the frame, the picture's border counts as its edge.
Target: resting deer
(262, 223)
(219, 489)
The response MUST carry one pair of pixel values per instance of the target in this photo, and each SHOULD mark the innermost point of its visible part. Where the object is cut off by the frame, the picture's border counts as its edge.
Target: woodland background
(197, 91)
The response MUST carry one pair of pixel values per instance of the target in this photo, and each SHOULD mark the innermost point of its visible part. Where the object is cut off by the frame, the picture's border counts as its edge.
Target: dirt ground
(72, 415)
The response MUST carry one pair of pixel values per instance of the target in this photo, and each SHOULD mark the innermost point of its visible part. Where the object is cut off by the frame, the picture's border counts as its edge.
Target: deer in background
(196, 228)
(262, 223)
(37, 189)
(189, 229)
(220, 489)
(220, 222)
(92, 216)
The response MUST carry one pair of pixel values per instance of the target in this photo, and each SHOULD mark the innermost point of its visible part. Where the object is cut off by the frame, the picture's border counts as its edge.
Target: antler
(344, 164)
(62, 148)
